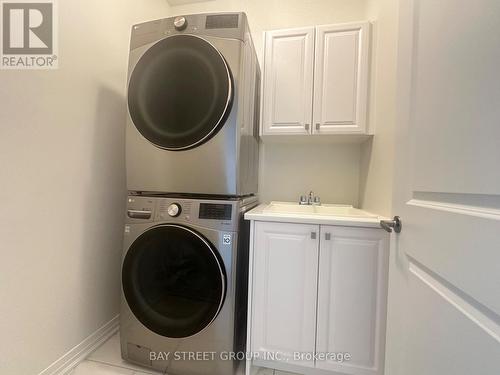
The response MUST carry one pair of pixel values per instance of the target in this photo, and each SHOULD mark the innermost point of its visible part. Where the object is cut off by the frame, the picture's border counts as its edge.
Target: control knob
(180, 23)
(174, 210)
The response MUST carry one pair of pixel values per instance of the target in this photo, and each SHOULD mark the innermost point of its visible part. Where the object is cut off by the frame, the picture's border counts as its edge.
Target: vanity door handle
(328, 236)
(313, 235)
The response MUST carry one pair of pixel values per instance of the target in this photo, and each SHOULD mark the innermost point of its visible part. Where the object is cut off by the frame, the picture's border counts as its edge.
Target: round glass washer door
(180, 92)
(174, 281)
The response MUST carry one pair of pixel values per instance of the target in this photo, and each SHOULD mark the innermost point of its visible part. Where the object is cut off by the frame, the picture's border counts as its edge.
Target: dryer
(193, 106)
(184, 284)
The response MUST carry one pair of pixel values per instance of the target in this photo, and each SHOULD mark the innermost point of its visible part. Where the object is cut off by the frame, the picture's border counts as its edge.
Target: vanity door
(284, 291)
(352, 294)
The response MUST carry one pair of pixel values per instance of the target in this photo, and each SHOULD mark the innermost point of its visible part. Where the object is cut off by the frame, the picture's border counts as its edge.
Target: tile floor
(106, 360)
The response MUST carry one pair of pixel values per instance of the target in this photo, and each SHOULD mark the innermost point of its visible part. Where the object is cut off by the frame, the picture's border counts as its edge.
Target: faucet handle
(310, 198)
(303, 200)
(317, 201)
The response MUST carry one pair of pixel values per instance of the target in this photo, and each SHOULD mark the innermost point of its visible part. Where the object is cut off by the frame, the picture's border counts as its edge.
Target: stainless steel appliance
(193, 100)
(184, 284)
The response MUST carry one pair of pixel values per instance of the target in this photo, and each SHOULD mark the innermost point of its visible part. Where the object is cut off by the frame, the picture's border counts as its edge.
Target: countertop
(361, 219)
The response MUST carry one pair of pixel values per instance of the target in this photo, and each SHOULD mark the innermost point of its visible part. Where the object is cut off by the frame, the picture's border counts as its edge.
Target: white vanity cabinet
(316, 80)
(318, 289)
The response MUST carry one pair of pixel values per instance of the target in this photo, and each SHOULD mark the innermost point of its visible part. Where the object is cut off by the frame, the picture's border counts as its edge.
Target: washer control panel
(203, 212)
(210, 213)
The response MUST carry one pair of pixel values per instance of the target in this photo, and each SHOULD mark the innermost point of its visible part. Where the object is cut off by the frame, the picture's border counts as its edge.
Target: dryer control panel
(219, 25)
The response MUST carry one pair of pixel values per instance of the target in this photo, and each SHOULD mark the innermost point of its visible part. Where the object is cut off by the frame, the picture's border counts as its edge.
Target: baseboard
(76, 355)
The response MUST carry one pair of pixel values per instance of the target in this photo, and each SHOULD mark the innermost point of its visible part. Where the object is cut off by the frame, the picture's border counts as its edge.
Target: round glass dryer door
(180, 92)
(174, 281)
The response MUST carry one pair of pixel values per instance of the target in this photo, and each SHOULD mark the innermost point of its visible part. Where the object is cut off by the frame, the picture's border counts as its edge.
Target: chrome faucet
(310, 200)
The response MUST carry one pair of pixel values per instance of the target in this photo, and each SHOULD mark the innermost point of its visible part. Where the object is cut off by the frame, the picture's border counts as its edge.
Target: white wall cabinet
(316, 80)
(319, 289)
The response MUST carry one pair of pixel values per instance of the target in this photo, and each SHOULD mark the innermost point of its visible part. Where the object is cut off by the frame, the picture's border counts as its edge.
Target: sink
(289, 208)
(342, 211)
(323, 210)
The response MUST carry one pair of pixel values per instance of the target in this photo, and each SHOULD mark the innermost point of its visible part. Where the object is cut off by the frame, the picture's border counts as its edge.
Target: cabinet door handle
(328, 236)
(307, 127)
(313, 235)
(318, 126)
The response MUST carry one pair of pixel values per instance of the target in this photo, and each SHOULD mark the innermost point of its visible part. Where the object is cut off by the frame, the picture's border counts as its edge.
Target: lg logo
(226, 239)
(28, 34)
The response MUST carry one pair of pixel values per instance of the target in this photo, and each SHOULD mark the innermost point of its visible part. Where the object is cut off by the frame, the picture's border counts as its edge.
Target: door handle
(318, 126)
(313, 235)
(389, 225)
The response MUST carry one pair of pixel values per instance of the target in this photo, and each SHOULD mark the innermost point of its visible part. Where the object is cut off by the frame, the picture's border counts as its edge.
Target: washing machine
(193, 106)
(184, 284)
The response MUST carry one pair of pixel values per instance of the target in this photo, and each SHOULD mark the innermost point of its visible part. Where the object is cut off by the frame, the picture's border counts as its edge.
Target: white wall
(377, 155)
(62, 183)
(278, 14)
(286, 172)
(290, 170)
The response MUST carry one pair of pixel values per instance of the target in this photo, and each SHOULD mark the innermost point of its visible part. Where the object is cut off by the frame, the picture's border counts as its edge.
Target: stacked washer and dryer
(192, 162)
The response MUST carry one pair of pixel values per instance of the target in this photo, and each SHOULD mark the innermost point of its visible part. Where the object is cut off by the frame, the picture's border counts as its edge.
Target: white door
(285, 289)
(288, 81)
(341, 78)
(444, 294)
(352, 297)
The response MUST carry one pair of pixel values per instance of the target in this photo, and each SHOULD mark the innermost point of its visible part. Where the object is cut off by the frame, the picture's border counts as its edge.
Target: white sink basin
(323, 210)
(289, 208)
(342, 211)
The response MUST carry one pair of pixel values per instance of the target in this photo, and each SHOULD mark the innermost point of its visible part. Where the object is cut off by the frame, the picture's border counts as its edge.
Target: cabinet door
(341, 78)
(285, 289)
(288, 82)
(352, 296)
